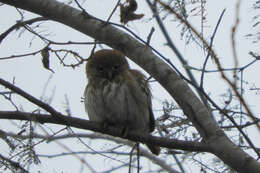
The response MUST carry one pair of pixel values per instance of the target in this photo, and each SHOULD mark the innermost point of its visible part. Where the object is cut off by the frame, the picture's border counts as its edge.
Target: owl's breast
(118, 104)
(124, 108)
(115, 95)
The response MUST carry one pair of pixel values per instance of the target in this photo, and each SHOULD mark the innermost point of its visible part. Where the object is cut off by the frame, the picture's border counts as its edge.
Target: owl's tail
(154, 149)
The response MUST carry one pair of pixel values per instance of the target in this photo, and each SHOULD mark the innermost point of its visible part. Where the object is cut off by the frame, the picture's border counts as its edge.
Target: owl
(117, 95)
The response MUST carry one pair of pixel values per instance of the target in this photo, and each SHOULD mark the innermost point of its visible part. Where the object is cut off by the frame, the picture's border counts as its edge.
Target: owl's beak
(110, 75)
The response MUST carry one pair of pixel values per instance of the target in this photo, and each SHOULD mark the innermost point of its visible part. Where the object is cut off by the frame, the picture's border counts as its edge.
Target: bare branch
(211, 43)
(20, 24)
(29, 97)
(234, 88)
(94, 126)
(14, 165)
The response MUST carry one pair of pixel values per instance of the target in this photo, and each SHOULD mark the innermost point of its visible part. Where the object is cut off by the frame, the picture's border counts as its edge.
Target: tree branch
(15, 165)
(29, 97)
(19, 24)
(143, 152)
(97, 127)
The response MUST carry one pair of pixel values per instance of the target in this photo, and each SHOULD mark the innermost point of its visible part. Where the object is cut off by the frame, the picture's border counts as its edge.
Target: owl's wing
(141, 79)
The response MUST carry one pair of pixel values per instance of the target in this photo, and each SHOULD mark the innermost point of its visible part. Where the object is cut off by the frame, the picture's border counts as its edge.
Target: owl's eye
(100, 69)
(116, 67)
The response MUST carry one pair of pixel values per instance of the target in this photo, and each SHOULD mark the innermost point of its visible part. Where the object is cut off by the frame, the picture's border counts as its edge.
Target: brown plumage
(117, 95)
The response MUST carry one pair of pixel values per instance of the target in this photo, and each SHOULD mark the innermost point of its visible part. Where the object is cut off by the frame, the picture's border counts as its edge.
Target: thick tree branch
(97, 127)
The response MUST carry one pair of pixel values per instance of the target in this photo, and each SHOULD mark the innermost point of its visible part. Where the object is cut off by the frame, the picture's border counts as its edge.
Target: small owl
(117, 95)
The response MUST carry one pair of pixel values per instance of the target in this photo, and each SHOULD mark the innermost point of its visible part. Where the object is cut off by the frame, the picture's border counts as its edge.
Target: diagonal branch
(29, 97)
(15, 165)
(20, 24)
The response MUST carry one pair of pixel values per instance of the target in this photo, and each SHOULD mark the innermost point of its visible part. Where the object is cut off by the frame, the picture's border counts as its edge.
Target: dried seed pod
(45, 58)
(127, 12)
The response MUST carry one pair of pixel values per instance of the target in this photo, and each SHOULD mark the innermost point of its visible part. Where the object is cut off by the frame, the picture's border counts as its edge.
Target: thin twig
(170, 43)
(150, 36)
(83, 10)
(234, 88)
(131, 158)
(29, 97)
(224, 69)
(13, 164)
(234, 51)
(20, 56)
(93, 150)
(20, 24)
(210, 45)
(138, 157)
(113, 11)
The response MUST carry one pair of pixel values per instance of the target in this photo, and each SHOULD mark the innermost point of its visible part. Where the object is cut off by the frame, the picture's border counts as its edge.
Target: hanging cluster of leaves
(45, 58)
(127, 12)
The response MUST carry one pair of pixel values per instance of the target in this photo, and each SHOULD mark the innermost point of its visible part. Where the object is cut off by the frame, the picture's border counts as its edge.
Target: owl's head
(106, 64)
